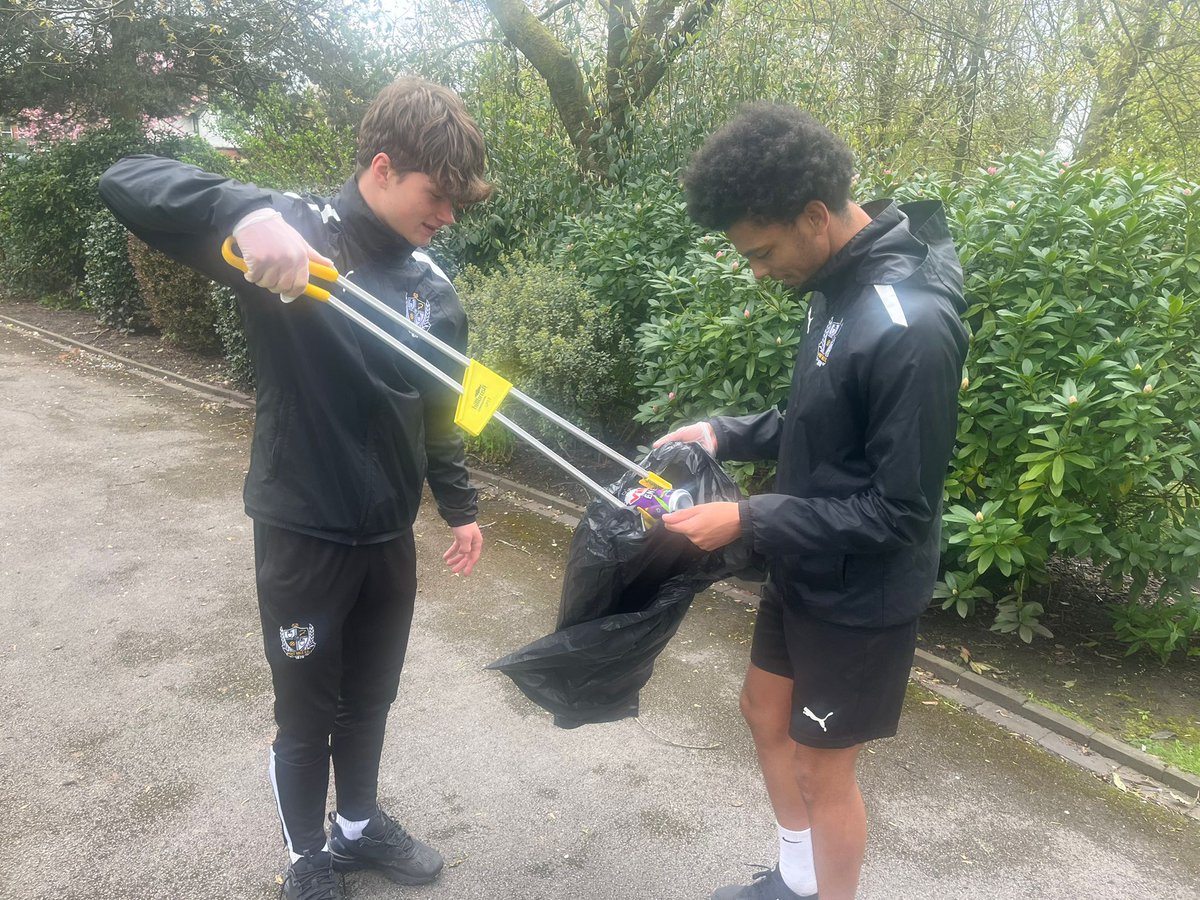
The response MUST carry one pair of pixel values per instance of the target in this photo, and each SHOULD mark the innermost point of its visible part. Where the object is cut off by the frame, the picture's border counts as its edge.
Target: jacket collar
(367, 238)
(860, 260)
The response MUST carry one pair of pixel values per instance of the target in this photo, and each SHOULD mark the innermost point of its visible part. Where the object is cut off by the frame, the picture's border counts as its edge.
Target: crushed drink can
(655, 502)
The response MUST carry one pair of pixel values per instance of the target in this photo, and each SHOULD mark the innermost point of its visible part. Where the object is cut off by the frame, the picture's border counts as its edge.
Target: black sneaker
(767, 885)
(385, 846)
(311, 877)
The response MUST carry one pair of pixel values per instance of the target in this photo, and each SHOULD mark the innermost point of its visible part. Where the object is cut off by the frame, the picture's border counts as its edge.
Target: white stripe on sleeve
(891, 303)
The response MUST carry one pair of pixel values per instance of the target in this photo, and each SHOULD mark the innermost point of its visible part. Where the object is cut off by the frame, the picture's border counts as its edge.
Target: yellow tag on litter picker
(654, 480)
(483, 390)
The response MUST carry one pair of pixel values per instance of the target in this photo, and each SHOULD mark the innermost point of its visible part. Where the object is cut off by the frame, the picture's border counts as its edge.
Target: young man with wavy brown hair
(346, 433)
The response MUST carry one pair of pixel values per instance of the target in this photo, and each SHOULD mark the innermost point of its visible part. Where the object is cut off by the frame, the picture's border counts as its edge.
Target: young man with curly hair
(852, 532)
(346, 433)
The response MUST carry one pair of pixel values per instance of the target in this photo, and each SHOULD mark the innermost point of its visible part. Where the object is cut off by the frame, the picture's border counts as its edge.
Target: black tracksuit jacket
(346, 429)
(853, 533)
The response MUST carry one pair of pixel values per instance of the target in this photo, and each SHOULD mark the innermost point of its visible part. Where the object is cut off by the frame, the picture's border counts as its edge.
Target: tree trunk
(968, 88)
(1114, 85)
(554, 63)
(123, 64)
(616, 75)
(889, 61)
(641, 45)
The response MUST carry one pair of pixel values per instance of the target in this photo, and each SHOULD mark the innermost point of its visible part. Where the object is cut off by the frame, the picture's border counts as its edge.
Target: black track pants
(335, 622)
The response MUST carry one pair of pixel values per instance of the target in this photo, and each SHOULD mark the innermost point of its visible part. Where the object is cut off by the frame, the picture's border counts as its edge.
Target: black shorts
(849, 683)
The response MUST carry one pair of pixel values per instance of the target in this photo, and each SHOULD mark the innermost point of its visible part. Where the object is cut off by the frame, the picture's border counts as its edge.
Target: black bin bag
(625, 592)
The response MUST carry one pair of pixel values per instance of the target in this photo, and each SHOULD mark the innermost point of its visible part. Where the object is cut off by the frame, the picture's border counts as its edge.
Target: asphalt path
(136, 707)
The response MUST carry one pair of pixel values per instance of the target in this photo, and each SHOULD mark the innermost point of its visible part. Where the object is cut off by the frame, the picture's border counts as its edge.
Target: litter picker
(482, 389)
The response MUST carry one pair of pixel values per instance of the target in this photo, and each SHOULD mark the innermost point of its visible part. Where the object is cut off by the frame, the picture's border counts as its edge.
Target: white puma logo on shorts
(819, 720)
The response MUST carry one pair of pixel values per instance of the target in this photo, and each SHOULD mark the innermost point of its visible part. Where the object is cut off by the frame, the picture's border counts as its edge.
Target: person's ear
(815, 217)
(381, 168)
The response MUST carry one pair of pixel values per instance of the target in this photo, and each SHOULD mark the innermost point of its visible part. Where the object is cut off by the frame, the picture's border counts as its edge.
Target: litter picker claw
(482, 389)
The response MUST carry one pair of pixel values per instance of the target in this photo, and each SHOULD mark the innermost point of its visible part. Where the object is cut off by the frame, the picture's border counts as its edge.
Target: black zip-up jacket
(346, 429)
(853, 533)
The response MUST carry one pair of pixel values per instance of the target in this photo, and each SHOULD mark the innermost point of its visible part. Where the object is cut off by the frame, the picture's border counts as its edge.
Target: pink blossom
(992, 170)
(720, 253)
(38, 126)
(887, 171)
(746, 313)
(1187, 192)
(671, 396)
(1012, 204)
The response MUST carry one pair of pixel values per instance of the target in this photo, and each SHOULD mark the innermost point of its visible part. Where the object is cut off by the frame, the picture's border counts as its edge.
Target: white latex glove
(276, 254)
(698, 432)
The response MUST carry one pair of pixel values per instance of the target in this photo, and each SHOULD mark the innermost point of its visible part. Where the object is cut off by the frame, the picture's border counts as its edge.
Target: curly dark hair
(766, 165)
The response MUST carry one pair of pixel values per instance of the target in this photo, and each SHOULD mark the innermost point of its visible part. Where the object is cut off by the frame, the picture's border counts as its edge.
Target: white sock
(796, 861)
(352, 830)
(298, 856)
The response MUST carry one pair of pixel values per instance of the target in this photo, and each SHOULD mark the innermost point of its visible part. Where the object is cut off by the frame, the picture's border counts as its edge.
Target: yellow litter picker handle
(325, 273)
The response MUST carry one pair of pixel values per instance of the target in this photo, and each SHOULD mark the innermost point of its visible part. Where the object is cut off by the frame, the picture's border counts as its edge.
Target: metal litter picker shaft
(332, 276)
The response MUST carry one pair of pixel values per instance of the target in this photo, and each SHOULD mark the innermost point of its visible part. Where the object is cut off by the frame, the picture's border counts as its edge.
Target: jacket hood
(898, 240)
(365, 232)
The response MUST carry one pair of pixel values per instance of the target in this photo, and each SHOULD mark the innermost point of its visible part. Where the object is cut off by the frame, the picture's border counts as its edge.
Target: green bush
(632, 231)
(1077, 431)
(180, 300)
(535, 324)
(291, 143)
(1160, 629)
(48, 198)
(110, 285)
(717, 342)
(627, 233)
(530, 163)
(232, 336)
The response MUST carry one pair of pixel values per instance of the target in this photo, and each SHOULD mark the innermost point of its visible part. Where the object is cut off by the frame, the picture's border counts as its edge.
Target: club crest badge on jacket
(417, 310)
(832, 327)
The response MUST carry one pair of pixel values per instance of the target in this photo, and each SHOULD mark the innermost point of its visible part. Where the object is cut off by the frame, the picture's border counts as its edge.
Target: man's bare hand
(708, 526)
(464, 552)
